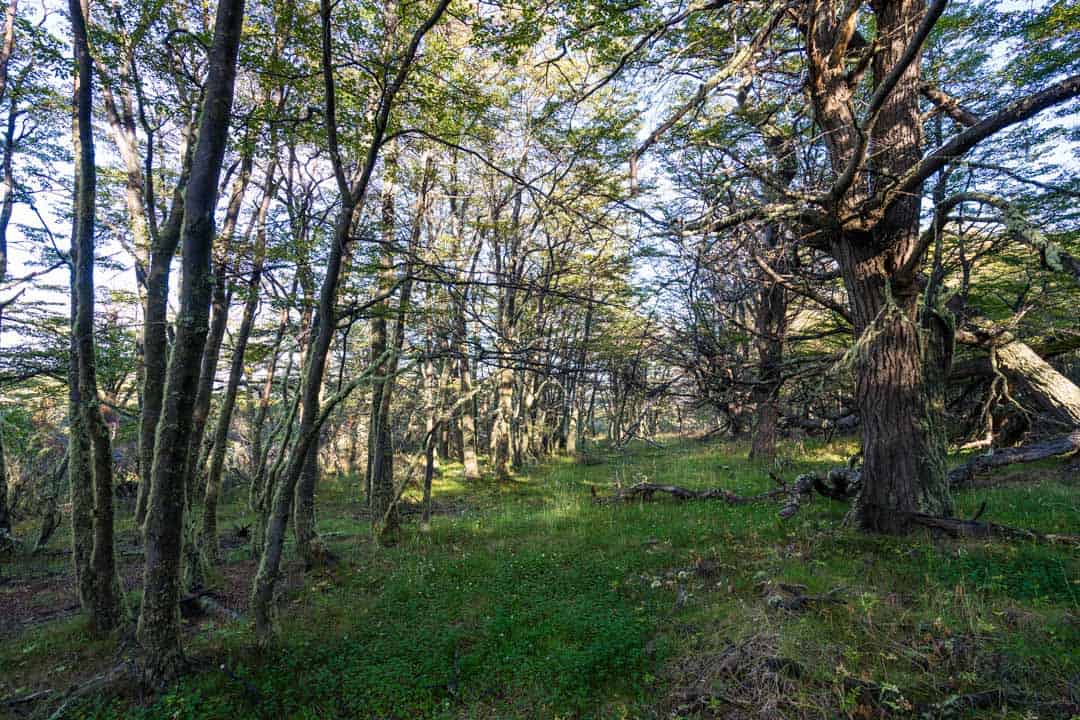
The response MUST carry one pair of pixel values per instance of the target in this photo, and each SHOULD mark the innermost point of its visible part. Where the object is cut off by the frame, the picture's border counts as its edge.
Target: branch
(877, 101)
(948, 105)
(737, 63)
(1015, 112)
(804, 292)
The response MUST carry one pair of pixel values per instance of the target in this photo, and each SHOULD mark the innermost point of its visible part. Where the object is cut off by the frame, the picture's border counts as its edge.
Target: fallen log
(647, 490)
(965, 474)
(956, 527)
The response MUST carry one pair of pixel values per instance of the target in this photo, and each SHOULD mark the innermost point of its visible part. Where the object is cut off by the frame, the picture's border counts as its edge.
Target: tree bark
(159, 629)
(105, 597)
(894, 357)
(380, 454)
(1057, 395)
(80, 474)
(7, 204)
(220, 301)
(155, 335)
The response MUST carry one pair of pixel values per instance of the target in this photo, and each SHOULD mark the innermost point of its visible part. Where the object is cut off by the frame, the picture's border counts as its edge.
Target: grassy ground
(529, 600)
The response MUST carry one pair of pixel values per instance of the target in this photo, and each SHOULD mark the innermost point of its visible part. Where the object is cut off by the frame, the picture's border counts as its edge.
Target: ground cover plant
(529, 599)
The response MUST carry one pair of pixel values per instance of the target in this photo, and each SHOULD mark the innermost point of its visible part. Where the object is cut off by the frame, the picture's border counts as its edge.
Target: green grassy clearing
(535, 602)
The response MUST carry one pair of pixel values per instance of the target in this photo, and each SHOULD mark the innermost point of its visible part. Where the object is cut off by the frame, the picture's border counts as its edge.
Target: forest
(540, 359)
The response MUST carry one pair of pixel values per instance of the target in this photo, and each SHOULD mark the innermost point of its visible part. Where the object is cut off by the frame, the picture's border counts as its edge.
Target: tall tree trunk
(770, 324)
(219, 319)
(380, 459)
(770, 321)
(156, 334)
(258, 453)
(501, 443)
(7, 205)
(208, 533)
(80, 474)
(352, 197)
(468, 410)
(159, 627)
(105, 597)
(384, 495)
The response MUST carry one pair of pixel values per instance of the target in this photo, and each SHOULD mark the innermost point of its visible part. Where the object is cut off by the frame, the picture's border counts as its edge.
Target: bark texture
(104, 602)
(159, 629)
(877, 245)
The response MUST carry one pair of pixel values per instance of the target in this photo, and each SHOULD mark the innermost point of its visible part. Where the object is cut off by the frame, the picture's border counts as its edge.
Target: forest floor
(528, 599)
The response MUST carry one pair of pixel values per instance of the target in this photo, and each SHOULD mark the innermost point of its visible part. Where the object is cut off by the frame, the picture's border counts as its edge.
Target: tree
(159, 630)
(104, 600)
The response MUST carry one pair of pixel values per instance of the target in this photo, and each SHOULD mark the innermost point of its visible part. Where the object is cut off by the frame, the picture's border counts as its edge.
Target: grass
(531, 601)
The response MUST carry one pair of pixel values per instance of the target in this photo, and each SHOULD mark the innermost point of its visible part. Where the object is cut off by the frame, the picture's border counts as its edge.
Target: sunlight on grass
(527, 599)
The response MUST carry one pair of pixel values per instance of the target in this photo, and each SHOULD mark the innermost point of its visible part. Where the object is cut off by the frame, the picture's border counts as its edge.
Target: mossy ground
(529, 600)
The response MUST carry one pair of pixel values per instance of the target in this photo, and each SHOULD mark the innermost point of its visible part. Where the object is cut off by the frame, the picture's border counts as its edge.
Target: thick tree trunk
(897, 358)
(904, 444)
(159, 628)
(105, 598)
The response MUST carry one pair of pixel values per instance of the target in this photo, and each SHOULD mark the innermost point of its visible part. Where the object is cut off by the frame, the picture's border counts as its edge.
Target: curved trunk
(1056, 394)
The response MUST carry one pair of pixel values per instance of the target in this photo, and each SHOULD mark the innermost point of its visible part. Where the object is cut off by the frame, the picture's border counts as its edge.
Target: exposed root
(123, 672)
(838, 484)
(793, 598)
